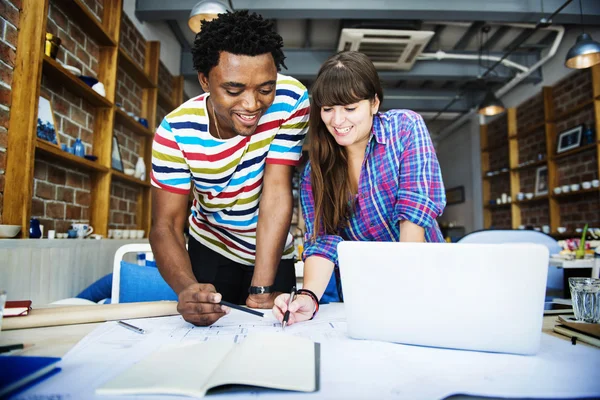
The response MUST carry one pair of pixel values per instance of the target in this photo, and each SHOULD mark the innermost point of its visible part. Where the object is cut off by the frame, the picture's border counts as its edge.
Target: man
(234, 147)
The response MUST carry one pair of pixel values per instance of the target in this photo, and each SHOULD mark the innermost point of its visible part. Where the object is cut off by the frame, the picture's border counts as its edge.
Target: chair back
(136, 283)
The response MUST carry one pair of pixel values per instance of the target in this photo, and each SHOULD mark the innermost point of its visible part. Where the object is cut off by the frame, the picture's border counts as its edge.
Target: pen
(131, 327)
(11, 347)
(286, 316)
(240, 308)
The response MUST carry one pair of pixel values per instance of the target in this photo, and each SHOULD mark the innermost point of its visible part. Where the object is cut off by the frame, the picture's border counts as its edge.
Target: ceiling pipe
(511, 84)
(442, 55)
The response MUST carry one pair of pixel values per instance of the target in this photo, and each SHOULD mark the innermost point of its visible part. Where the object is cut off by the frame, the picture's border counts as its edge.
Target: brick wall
(161, 112)
(129, 93)
(165, 80)
(527, 180)
(9, 23)
(574, 89)
(129, 144)
(530, 112)
(533, 145)
(132, 41)
(61, 196)
(577, 211)
(501, 219)
(77, 48)
(499, 158)
(584, 116)
(123, 206)
(96, 7)
(577, 168)
(497, 132)
(536, 214)
(499, 185)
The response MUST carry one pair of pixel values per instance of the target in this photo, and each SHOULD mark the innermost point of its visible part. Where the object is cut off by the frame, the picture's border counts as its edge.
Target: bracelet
(313, 297)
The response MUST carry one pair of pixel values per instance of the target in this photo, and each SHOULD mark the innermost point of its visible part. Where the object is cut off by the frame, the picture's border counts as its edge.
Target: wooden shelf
(131, 124)
(532, 165)
(137, 73)
(118, 175)
(572, 110)
(78, 11)
(56, 153)
(57, 73)
(576, 193)
(528, 131)
(498, 175)
(535, 199)
(166, 102)
(497, 206)
(581, 149)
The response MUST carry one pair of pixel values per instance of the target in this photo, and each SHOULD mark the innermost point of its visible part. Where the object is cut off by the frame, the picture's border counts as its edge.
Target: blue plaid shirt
(400, 180)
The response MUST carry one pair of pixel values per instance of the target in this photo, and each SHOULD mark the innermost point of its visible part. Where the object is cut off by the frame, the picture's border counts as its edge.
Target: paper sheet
(350, 369)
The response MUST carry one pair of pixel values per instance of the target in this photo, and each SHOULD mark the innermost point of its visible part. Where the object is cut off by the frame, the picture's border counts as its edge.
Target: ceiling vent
(387, 49)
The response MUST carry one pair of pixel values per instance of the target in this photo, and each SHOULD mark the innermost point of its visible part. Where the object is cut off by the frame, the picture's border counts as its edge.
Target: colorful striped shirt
(227, 175)
(400, 179)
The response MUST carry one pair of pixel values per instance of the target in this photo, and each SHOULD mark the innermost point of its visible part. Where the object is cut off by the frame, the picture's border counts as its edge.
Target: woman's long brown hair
(345, 78)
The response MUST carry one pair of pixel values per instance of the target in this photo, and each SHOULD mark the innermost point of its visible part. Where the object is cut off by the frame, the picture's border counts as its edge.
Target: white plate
(74, 70)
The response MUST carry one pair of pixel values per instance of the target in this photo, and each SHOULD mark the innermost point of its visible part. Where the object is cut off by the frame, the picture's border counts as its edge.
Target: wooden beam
(177, 95)
(485, 186)
(27, 76)
(513, 161)
(111, 18)
(553, 205)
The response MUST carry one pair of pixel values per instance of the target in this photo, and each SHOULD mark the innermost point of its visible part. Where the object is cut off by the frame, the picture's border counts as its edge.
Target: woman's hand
(301, 309)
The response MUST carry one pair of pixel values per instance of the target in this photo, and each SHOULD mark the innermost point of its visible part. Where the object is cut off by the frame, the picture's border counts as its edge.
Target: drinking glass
(585, 294)
(2, 302)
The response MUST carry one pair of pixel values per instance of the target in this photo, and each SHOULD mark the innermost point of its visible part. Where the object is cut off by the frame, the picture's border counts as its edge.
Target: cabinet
(94, 190)
(535, 167)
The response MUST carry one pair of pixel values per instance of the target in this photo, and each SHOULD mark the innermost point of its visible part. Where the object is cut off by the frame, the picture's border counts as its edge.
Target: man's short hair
(239, 33)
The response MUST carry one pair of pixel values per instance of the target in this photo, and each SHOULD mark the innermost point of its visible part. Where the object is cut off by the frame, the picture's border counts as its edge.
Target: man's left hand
(265, 300)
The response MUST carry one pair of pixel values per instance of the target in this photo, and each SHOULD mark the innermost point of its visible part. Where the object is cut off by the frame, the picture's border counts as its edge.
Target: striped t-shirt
(227, 175)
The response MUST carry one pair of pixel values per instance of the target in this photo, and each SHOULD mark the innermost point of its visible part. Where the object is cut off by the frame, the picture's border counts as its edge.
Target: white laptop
(487, 297)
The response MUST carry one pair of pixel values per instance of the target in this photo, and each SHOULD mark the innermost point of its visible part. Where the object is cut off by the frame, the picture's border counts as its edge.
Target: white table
(592, 263)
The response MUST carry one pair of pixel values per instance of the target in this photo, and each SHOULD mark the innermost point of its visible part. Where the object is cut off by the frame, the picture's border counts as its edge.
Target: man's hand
(199, 304)
(262, 300)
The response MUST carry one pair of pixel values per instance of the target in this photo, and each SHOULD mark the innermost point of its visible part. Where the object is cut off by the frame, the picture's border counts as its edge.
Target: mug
(83, 230)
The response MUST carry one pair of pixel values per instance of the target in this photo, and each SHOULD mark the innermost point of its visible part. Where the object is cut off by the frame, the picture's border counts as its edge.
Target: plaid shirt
(400, 180)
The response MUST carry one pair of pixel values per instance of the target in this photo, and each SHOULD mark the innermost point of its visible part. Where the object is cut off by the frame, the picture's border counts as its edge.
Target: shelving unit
(553, 202)
(30, 63)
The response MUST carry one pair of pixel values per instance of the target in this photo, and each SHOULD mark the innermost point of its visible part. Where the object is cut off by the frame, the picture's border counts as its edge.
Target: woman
(371, 177)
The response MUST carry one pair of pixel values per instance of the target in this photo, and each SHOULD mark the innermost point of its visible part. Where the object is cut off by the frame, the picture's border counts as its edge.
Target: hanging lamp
(585, 52)
(206, 10)
(491, 105)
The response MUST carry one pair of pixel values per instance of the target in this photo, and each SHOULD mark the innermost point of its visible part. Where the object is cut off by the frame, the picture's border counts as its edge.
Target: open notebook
(274, 361)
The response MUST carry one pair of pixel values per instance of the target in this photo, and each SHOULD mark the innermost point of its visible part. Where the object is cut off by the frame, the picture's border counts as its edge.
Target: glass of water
(2, 302)
(585, 294)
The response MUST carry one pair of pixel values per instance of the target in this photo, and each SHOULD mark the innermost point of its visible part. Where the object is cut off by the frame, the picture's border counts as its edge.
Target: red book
(17, 308)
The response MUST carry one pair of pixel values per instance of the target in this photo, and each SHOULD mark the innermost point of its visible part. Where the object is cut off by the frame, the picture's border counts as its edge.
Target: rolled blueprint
(70, 315)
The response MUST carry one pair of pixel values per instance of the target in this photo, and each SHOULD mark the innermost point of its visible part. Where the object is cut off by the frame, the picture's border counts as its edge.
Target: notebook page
(180, 369)
(269, 360)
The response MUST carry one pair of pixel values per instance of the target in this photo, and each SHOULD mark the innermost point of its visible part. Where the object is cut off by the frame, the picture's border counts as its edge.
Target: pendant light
(586, 51)
(491, 105)
(206, 10)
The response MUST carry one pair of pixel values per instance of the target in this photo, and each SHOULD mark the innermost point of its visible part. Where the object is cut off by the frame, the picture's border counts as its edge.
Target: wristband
(260, 289)
(313, 297)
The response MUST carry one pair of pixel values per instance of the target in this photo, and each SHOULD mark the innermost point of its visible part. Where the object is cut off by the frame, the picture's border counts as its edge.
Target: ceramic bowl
(90, 157)
(89, 80)
(566, 188)
(575, 187)
(561, 229)
(596, 183)
(586, 185)
(529, 196)
(557, 190)
(129, 171)
(9, 231)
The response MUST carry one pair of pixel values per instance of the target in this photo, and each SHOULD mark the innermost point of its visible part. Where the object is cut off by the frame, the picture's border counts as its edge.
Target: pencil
(244, 309)
(11, 347)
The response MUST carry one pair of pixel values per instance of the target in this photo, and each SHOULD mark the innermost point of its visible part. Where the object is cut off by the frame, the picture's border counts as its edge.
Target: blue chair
(134, 283)
(490, 236)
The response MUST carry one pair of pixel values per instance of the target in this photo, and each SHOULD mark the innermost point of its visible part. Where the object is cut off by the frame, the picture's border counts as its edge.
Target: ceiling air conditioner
(387, 49)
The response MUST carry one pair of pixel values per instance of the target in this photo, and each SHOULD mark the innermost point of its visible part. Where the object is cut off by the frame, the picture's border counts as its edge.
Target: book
(274, 361)
(16, 308)
(20, 371)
